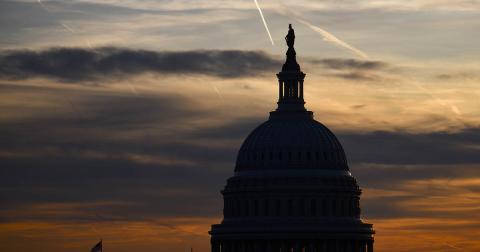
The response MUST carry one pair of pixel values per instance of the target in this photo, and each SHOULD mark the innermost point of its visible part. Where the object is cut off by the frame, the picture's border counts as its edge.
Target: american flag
(98, 247)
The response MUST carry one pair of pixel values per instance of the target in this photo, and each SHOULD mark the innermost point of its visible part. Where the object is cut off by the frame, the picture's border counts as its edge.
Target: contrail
(264, 22)
(327, 36)
(217, 91)
(456, 110)
(68, 28)
(43, 6)
(439, 101)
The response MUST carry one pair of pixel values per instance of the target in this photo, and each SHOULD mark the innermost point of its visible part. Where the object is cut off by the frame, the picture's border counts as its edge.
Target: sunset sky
(120, 119)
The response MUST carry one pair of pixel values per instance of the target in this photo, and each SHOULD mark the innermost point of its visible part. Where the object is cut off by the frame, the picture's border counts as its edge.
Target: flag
(98, 247)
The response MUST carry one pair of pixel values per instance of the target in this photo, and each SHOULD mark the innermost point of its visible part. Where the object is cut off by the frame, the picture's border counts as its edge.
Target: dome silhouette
(291, 190)
(299, 144)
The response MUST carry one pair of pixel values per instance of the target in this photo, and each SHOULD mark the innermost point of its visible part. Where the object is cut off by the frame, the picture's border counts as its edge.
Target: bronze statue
(290, 38)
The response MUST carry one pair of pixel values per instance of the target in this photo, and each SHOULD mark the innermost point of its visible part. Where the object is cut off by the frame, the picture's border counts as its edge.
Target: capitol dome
(285, 143)
(291, 190)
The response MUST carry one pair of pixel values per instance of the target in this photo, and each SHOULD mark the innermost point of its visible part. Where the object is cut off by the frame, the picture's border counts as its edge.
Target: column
(324, 245)
(268, 246)
(370, 246)
(280, 90)
(310, 247)
(296, 89)
(318, 246)
(215, 246)
(297, 246)
(223, 248)
(348, 245)
(283, 247)
(287, 89)
(301, 89)
(232, 246)
(290, 86)
(356, 246)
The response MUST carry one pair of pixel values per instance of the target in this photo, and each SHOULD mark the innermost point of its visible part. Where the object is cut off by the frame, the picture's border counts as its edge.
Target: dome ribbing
(291, 143)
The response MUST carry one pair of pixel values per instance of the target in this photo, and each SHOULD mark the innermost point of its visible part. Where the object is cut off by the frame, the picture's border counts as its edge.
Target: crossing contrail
(264, 22)
(43, 6)
(327, 36)
(66, 27)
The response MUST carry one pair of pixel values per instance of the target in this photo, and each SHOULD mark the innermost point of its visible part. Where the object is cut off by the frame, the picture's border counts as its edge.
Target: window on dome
(350, 206)
(278, 208)
(266, 208)
(334, 208)
(289, 207)
(236, 208)
(313, 207)
(301, 205)
(324, 207)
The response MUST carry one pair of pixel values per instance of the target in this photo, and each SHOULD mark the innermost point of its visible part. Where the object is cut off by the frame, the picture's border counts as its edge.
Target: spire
(290, 80)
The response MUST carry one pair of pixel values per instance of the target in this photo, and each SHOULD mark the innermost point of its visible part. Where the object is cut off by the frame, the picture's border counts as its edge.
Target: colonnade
(290, 89)
(292, 246)
(310, 207)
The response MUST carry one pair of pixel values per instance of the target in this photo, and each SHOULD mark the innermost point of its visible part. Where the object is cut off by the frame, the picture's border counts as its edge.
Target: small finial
(290, 38)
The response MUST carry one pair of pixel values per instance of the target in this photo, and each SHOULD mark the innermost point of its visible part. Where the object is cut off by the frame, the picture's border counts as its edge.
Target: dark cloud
(351, 64)
(359, 106)
(143, 152)
(457, 76)
(352, 69)
(357, 76)
(413, 148)
(109, 63)
(390, 176)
